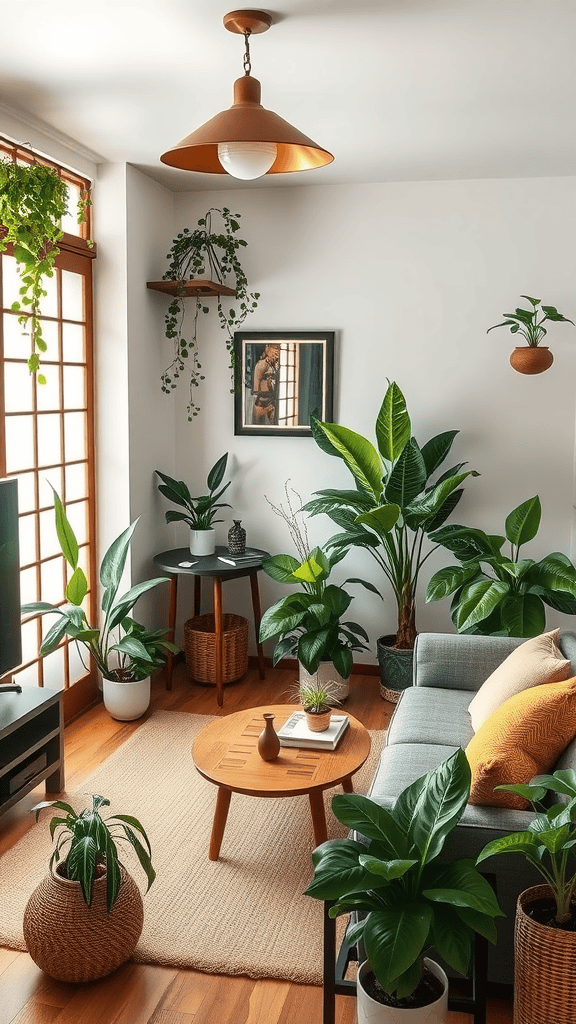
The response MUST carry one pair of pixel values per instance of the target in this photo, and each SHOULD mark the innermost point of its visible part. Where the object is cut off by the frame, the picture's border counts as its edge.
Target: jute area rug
(244, 914)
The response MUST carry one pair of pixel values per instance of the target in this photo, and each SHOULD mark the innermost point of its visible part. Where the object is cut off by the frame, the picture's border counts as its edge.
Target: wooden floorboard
(149, 994)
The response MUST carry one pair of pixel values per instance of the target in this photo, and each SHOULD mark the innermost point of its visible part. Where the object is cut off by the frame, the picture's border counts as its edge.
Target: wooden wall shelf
(195, 286)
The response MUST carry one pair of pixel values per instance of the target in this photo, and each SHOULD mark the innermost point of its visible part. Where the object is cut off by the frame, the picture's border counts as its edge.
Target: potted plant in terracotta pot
(86, 916)
(124, 652)
(410, 899)
(545, 931)
(533, 357)
(199, 512)
(397, 502)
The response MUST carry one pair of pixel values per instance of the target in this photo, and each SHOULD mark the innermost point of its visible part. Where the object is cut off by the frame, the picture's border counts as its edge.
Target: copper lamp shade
(247, 121)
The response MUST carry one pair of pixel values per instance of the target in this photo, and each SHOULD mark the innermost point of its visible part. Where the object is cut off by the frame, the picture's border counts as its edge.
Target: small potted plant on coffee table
(317, 699)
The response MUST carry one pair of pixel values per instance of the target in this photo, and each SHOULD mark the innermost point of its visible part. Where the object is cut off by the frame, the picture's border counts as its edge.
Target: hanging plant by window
(196, 254)
(33, 200)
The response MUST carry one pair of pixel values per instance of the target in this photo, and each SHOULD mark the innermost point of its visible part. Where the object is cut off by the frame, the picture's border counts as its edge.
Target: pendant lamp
(247, 141)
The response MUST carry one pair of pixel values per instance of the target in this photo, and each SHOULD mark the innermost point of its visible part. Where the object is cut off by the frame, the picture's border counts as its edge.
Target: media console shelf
(31, 743)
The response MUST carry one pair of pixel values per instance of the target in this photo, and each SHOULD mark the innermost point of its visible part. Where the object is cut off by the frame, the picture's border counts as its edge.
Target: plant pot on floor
(326, 673)
(126, 701)
(370, 1011)
(202, 542)
(531, 358)
(396, 668)
(76, 943)
(544, 959)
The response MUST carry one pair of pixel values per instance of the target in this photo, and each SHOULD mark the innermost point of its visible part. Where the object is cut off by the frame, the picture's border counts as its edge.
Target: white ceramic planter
(372, 1012)
(326, 672)
(202, 542)
(126, 701)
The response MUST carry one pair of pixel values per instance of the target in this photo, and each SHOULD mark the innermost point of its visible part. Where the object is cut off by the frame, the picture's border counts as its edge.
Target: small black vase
(237, 538)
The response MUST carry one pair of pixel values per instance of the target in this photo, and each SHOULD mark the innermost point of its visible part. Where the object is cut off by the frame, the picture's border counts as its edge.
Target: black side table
(210, 565)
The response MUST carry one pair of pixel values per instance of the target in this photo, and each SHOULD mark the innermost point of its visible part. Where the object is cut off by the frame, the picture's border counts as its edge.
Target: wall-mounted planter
(531, 358)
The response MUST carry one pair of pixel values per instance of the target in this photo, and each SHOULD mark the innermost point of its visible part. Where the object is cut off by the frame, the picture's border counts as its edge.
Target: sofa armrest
(459, 661)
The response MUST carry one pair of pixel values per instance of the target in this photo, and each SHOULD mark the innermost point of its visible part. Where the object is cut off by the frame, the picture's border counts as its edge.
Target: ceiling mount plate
(250, 21)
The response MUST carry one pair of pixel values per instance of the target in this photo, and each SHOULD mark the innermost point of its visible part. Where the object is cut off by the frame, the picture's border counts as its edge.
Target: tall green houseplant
(395, 505)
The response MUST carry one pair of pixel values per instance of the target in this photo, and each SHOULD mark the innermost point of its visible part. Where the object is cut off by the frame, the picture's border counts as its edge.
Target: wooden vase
(268, 742)
(531, 358)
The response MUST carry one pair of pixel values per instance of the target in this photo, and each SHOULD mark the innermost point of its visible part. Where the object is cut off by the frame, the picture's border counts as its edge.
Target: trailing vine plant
(33, 200)
(194, 254)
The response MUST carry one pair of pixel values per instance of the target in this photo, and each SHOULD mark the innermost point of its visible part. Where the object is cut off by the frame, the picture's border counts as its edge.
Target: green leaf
(387, 869)
(281, 568)
(375, 822)
(439, 805)
(553, 573)
(280, 619)
(337, 871)
(394, 939)
(312, 649)
(359, 455)
(113, 563)
(216, 474)
(393, 426)
(478, 601)
(65, 533)
(125, 603)
(381, 519)
(466, 542)
(77, 587)
(54, 636)
(522, 522)
(421, 510)
(523, 615)
(80, 865)
(435, 451)
(310, 571)
(408, 476)
(448, 580)
(451, 938)
(514, 842)
(460, 884)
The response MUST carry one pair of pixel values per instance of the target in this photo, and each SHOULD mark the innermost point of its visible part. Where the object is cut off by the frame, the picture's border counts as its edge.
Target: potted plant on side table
(86, 916)
(200, 512)
(531, 357)
(545, 930)
(410, 900)
(126, 660)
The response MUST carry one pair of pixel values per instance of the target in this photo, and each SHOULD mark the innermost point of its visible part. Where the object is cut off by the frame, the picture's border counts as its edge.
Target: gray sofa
(430, 721)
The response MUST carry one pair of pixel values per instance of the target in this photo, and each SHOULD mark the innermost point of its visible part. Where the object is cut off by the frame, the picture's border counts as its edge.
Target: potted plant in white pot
(391, 512)
(533, 357)
(200, 512)
(124, 652)
(545, 930)
(86, 916)
(411, 899)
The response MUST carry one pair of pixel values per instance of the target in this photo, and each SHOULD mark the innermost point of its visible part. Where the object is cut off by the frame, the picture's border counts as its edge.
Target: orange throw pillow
(522, 738)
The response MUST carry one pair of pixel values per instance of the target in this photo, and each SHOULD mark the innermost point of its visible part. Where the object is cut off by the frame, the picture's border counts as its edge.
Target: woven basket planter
(544, 967)
(73, 942)
(200, 648)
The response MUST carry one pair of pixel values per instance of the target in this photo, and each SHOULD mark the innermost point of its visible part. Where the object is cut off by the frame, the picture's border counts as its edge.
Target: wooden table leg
(197, 594)
(219, 824)
(347, 785)
(318, 816)
(257, 617)
(219, 639)
(171, 627)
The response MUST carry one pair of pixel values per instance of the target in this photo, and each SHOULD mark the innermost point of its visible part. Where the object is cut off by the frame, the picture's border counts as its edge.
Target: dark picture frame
(281, 377)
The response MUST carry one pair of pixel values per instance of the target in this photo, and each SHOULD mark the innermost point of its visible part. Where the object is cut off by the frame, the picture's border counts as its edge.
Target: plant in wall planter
(33, 200)
(309, 625)
(533, 357)
(200, 512)
(394, 507)
(193, 255)
(499, 594)
(86, 917)
(124, 652)
(408, 898)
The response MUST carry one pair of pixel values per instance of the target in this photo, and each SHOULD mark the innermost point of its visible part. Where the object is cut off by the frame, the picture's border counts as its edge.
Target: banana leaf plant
(91, 840)
(500, 594)
(411, 900)
(130, 653)
(395, 505)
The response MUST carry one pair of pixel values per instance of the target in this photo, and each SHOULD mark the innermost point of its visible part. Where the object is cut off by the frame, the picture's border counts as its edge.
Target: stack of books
(295, 732)
(241, 560)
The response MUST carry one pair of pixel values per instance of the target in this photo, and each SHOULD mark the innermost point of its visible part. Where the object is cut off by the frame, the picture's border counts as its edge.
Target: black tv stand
(31, 742)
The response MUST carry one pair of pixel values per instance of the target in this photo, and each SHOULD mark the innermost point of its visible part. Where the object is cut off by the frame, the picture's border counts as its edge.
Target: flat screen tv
(10, 631)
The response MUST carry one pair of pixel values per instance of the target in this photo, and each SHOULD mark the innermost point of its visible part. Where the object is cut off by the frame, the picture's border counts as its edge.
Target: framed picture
(281, 378)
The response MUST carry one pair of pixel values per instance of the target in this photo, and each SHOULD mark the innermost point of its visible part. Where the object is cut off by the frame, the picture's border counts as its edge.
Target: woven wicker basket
(200, 648)
(544, 974)
(73, 942)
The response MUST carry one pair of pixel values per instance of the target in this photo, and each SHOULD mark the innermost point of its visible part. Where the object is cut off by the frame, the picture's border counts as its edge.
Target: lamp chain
(247, 64)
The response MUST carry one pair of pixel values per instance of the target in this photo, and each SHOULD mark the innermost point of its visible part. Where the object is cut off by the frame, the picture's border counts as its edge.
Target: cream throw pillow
(537, 661)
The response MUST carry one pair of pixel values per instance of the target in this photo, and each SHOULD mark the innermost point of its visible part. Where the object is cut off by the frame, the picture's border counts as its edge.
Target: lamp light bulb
(247, 160)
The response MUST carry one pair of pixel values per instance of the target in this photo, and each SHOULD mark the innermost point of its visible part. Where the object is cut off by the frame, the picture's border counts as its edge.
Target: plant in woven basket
(549, 841)
(193, 254)
(92, 842)
(317, 697)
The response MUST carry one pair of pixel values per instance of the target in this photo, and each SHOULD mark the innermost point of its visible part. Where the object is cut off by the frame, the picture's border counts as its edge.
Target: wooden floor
(144, 994)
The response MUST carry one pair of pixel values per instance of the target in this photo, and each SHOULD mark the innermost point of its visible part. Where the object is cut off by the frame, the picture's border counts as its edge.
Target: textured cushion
(427, 714)
(535, 662)
(522, 738)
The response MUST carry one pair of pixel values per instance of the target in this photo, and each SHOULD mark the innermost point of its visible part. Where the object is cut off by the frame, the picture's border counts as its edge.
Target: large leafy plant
(194, 254)
(411, 900)
(33, 200)
(395, 505)
(549, 842)
(526, 323)
(199, 512)
(91, 841)
(497, 593)
(134, 652)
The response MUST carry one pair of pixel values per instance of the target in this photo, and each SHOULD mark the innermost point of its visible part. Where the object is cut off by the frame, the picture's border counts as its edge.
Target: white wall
(410, 276)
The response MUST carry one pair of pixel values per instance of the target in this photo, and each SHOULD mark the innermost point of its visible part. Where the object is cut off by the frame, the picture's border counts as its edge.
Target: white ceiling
(398, 90)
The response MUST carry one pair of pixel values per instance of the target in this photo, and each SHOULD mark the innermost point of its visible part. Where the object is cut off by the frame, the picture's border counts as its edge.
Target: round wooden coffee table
(226, 753)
